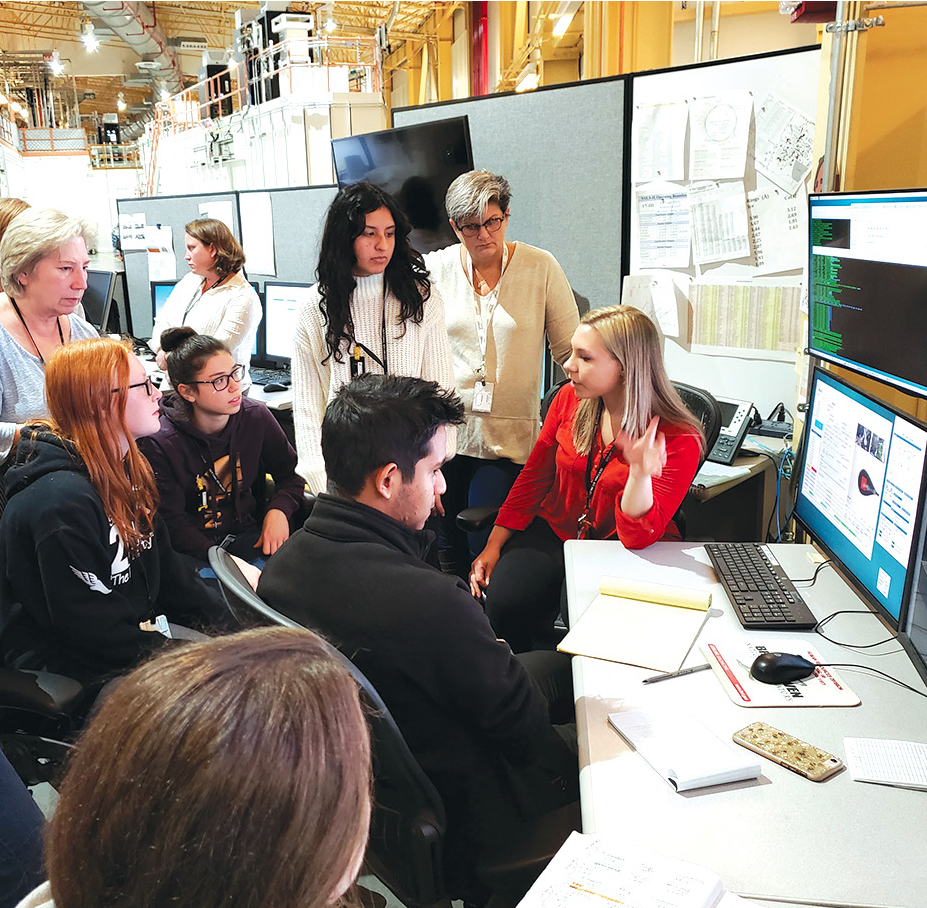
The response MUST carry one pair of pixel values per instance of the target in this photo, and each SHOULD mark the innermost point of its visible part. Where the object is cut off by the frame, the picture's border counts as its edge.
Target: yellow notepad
(639, 623)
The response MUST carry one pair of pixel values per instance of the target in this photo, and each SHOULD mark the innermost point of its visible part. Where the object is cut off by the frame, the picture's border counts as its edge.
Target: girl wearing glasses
(212, 453)
(215, 298)
(614, 460)
(500, 300)
(91, 580)
(372, 310)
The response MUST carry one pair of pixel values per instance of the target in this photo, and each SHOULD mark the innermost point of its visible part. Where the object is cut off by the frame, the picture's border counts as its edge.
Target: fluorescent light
(120, 101)
(16, 107)
(528, 81)
(163, 93)
(91, 41)
(3, 99)
(562, 25)
(330, 24)
(55, 64)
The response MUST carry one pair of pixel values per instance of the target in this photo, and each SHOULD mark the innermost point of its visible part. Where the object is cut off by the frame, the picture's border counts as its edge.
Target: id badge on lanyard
(483, 390)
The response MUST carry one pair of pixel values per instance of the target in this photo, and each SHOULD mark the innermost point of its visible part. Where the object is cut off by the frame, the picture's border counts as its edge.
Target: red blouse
(552, 483)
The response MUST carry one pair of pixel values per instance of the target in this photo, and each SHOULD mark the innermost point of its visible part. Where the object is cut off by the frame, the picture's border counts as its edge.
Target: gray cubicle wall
(298, 218)
(168, 210)
(562, 150)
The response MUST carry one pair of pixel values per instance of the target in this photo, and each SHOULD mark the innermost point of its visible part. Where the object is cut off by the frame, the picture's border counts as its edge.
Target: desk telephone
(735, 415)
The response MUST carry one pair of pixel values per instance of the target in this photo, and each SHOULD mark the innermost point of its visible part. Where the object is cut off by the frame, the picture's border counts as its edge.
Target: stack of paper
(639, 623)
(899, 763)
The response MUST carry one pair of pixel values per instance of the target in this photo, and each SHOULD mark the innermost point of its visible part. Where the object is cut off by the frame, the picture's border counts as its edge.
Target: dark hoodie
(206, 494)
(71, 598)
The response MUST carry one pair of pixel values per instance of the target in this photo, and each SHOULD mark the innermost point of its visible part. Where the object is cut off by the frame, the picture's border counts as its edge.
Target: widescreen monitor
(281, 304)
(415, 164)
(161, 290)
(98, 298)
(861, 490)
(868, 283)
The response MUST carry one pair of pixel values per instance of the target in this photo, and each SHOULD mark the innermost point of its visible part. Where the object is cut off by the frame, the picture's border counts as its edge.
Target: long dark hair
(405, 275)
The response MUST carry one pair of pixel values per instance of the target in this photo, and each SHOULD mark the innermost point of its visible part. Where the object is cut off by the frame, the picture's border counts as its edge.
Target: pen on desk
(601, 895)
(683, 671)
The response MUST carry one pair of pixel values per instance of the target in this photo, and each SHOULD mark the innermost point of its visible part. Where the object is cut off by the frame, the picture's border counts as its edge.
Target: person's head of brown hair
(231, 772)
(9, 208)
(212, 232)
(86, 387)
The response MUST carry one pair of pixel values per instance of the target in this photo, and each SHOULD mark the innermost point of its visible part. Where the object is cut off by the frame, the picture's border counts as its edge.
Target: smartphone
(792, 753)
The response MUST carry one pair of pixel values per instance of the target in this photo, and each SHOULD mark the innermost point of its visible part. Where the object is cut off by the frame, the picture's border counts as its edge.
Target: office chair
(408, 826)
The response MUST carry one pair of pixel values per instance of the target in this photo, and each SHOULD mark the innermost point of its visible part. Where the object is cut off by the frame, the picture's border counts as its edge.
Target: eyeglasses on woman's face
(221, 382)
(492, 225)
(146, 384)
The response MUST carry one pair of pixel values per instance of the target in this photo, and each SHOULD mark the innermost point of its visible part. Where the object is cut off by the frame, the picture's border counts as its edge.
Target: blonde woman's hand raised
(646, 456)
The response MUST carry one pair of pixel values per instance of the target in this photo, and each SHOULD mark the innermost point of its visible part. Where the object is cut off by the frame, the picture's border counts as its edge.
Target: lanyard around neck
(382, 360)
(38, 352)
(586, 522)
(484, 314)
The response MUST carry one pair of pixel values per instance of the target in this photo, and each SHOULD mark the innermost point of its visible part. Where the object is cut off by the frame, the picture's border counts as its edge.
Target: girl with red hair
(90, 578)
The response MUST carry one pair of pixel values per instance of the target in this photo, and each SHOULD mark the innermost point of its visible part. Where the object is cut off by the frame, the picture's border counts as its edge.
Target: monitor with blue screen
(281, 303)
(861, 490)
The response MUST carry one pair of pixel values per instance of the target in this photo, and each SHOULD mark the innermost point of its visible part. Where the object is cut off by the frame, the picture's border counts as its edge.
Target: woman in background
(215, 298)
(615, 458)
(234, 772)
(213, 448)
(43, 272)
(9, 208)
(372, 310)
(500, 300)
(89, 576)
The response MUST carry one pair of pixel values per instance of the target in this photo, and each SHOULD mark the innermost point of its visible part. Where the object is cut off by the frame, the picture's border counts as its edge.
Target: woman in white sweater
(215, 298)
(500, 300)
(372, 310)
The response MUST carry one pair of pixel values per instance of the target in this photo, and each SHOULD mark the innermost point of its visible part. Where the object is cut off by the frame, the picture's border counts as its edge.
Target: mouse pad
(731, 661)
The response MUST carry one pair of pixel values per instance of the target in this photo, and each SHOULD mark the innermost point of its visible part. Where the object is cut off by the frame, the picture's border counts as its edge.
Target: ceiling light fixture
(528, 79)
(163, 93)
(120, 101)
(91, 41)
(3, 99)
(562, 25)
(16, 107)
(55, 64)
(330, 24)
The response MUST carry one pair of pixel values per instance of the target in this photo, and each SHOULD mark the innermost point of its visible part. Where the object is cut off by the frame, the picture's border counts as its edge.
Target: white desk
(782, 837)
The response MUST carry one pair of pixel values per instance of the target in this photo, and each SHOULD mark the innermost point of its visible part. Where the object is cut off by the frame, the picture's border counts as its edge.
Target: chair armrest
(472, 520)
(39, 692)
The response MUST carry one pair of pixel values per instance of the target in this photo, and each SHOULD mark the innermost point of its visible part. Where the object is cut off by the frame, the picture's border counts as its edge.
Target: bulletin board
(561, 149)
(719, 155)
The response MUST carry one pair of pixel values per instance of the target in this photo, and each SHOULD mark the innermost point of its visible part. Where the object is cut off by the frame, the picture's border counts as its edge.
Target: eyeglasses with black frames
(146, 384)
(492, 226)
(221, 382)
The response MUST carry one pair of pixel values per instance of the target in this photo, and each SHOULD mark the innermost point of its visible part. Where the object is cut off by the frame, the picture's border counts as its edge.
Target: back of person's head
(188, 354)
(470, 194)
(405, 274)
(213, 232)
(31, 235)
(381, 419)
(632, 338)
(9, 208)
(234, 772)
(86, 387)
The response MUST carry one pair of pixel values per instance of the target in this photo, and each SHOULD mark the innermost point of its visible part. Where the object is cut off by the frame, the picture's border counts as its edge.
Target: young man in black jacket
(473, 714)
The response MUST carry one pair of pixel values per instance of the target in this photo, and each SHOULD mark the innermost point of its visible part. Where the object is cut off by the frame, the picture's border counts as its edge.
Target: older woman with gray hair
(500, 300)
(43, 273)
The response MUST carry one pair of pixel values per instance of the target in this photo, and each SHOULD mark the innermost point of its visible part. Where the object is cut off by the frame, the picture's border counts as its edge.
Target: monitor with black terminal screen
(98, 298)
(282, 301)
(861, 482)
(868, 283)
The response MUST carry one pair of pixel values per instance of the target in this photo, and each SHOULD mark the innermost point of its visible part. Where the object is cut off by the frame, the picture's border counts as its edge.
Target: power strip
(773, 429)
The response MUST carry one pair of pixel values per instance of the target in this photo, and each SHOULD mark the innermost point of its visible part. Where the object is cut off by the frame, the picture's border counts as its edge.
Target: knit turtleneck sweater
(418, 350)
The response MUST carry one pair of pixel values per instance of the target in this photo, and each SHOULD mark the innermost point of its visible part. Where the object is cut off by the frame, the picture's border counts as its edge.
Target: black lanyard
(585, 522)
(34, 344)
(382, 361)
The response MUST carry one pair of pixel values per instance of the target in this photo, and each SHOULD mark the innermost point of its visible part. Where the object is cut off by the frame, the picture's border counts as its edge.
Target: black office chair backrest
(407, 828)
(548, 398)
(705, 408)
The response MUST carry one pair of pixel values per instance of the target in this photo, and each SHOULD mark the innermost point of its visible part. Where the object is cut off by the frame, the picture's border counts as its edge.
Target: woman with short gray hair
(43, 273)
(500, 300)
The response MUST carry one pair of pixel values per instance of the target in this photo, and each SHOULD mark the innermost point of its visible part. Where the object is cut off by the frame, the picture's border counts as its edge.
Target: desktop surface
(781, 837)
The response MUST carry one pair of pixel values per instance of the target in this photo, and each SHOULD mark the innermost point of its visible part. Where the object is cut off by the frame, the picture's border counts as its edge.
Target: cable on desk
(826, 619)
(867, 668)
(811, 580)
(783, 468)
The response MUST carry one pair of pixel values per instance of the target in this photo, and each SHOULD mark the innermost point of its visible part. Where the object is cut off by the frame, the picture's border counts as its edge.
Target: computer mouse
(781, 668)
(274, 386)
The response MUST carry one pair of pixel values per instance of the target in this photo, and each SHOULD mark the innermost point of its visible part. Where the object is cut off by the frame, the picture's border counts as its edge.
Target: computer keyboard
(762, 595)
(266, 376)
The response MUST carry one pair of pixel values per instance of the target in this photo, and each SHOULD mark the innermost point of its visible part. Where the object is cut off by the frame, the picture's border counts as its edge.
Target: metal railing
(104, 157)
(296, 69)
(35, 141)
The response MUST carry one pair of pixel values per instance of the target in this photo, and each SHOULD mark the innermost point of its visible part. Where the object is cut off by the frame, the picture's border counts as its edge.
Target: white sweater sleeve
(311, 384)
(240, 318)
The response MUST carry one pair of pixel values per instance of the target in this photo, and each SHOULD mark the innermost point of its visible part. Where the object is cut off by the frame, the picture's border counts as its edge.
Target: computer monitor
(861, 485)
(414, 164)
(98, 298)
(868, 283)
(281, 304)
(161, 290)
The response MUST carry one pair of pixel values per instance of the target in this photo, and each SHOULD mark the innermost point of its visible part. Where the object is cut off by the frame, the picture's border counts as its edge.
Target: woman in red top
(615, 458)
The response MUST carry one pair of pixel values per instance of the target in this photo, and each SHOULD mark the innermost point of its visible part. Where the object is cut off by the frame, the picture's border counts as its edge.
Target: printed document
(746, 315)
(899, 763)
(784, 143)
(663, 225)
(655, 296)
(777, 230)
(719, 221)
(718, 134)
(659, 141)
